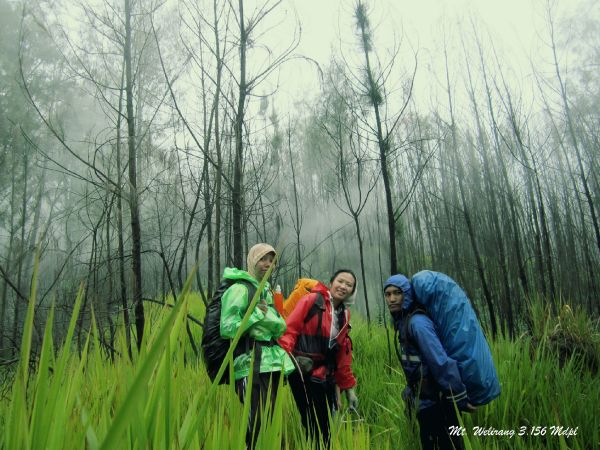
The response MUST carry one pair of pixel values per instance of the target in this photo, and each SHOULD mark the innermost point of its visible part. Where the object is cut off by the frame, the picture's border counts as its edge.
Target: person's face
(263, 265)
(342, 287)
(394, 298)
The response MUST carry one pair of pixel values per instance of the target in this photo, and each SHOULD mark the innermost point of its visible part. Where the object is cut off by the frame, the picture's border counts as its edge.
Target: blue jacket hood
(401, 282)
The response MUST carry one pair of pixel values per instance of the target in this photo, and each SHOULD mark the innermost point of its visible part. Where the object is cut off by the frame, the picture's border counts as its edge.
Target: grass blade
(138, 389)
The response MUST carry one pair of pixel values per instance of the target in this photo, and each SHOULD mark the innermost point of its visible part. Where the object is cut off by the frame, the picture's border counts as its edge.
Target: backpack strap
(425, 388)
(251, 288)
(226, 283)
(404, 334)
(317, 308)
(396, 342)
(256, 366)
(417, 309)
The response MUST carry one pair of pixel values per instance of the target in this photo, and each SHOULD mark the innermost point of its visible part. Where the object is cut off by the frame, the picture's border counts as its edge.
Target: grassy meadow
(75, 398)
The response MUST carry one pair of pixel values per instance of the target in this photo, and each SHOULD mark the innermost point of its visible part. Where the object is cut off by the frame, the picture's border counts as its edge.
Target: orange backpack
(303, 287)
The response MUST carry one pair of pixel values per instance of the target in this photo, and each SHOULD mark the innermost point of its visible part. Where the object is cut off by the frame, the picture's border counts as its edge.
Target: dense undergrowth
(76, 398)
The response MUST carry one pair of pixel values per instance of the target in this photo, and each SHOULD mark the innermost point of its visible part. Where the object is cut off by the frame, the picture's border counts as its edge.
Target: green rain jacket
(261, 326)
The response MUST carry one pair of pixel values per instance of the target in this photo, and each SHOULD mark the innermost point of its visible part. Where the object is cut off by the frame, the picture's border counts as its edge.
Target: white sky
(516, 27)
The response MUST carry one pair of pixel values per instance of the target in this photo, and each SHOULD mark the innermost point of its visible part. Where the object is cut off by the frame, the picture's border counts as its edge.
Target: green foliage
(361, 16)
(164, 399)
(570, 334)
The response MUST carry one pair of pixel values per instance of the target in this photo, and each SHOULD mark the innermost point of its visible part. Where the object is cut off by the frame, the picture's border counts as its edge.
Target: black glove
(352, 398)
(304, 363)
(468, 408)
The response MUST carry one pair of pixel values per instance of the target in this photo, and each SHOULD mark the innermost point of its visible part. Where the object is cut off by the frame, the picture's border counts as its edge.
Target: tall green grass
(163, 399)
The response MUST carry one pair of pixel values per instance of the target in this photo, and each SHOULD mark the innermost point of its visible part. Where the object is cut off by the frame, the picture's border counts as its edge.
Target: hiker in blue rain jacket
(434, 383)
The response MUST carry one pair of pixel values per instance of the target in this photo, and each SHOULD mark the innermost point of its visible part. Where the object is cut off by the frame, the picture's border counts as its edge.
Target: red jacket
(303, 337)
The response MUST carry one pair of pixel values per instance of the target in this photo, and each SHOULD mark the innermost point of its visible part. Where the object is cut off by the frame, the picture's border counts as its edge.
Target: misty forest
(147, 145)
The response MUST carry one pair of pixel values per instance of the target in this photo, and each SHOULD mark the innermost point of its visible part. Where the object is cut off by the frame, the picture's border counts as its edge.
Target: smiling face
(394, 298)
(263, 265)
(342, 287)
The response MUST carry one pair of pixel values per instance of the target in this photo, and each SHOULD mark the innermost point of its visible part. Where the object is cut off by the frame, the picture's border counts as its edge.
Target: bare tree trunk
(545, 233)
(9, 255)
(489, 178)
(510, 197)
(209, 231)
(261, 230)
(563, 226)
(382, 142)
(202, 187)
(218, 204)
(21, 253)
(90, 287)
(33, 235)
(218, 174)
(237, 212)
(573, 135)
(362, 266)
(533, 218)
(381, 280)
(467, 216)
(110, 273)
(449, 196)
(120, 244)
(592, 288)
(136, 247)
(229, 258)
(188, 229)
(537, 236)
(297, 221)
(589, 288)
(471, 231)
(428, 230)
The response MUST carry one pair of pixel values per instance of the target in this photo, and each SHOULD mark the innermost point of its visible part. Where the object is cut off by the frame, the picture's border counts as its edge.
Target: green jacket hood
(231, 273)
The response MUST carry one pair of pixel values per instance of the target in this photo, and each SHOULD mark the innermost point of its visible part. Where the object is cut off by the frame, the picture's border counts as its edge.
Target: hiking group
(443, 352)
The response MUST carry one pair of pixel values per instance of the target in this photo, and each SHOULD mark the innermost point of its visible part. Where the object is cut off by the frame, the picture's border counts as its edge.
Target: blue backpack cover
(459, 332)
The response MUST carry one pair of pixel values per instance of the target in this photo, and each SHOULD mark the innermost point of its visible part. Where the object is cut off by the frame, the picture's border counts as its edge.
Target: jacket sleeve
(274, 322)
(443, 369)
(234, 304)
(271, 326)
(295, 322)
(344, 377)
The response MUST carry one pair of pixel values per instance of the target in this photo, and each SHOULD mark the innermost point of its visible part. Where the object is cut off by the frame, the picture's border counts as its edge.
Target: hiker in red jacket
(317, 337)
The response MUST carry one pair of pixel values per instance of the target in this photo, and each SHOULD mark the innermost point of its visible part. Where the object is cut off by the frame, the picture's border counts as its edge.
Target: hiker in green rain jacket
(262, 330)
